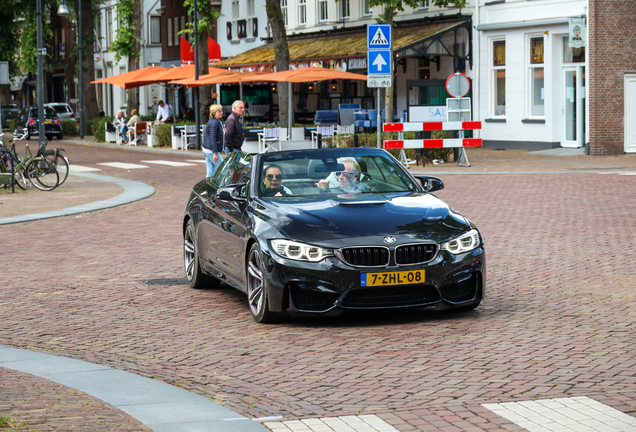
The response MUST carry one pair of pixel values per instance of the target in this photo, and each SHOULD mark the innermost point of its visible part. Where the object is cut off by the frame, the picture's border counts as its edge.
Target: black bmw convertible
(322, 231)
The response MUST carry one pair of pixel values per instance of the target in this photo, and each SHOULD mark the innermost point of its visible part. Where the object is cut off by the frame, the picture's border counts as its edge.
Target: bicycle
(58, 160)
(42, 174)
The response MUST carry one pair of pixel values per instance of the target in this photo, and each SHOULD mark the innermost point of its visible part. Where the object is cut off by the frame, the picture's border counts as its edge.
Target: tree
(391, 7)
(127, 42)
(207, 13)
(281, 56)
(9, 43)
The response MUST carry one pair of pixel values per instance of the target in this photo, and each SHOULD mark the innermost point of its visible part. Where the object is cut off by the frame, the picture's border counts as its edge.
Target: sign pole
(378, 118)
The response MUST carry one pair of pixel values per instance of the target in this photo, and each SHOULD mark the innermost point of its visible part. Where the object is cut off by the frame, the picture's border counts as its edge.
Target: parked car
(310, 231)
(9, 112)
(63, 110)
(28, 119)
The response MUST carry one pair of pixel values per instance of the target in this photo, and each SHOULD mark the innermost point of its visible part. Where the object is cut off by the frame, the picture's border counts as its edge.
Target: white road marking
(170, 163)
(122, 165)
(617, 172)
(627, 173)
(366, 423)
(564, 414)
(196, 160)
(77, 168)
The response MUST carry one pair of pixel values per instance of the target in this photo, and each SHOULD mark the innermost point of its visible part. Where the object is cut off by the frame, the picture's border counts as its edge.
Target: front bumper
(451, 281)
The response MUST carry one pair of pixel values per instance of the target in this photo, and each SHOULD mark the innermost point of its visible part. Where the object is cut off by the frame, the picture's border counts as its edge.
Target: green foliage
(125, 38)
(11, 124)
(9, 36)
(70, 127)
(162, 135)
(28, 61)
(98, 128)
(207, 17)
(90, 125)
(392, 6)
(149, 117)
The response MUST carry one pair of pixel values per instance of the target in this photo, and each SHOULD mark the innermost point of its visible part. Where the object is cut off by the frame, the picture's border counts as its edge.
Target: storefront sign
(428, 113)
(97, 57)
(358, 63)
(577, 33)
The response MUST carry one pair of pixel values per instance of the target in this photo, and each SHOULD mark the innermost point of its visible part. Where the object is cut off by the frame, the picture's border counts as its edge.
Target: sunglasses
(271, 176)
(343, 173)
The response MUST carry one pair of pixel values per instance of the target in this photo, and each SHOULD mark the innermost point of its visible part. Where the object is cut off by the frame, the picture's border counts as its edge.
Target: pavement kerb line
(133, 191)
(160, 406)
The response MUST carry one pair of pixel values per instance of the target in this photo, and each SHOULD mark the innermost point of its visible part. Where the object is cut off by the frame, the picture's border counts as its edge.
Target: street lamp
(62, 9)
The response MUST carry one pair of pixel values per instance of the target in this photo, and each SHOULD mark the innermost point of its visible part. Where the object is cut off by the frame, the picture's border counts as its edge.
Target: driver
(273, 181)
(347, 179)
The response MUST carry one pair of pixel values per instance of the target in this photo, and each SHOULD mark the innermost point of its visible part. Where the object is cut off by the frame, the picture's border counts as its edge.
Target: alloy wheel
(188, 253)
(255, 293)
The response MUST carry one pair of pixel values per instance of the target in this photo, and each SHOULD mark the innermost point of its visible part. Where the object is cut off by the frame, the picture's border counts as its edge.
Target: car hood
(416, 215)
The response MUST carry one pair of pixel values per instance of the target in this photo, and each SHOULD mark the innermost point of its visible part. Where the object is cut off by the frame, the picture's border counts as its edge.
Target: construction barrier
(432, 143)
(431, 126)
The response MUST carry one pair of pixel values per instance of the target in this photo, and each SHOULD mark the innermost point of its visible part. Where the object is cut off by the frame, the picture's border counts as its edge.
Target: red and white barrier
(432, 143)
(431, 126)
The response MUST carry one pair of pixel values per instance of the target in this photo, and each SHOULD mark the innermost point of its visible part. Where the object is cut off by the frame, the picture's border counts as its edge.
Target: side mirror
(231, 193)
(430, 183)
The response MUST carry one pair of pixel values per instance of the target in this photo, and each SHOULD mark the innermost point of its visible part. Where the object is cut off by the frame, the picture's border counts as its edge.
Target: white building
(531, 84)
(112, 98)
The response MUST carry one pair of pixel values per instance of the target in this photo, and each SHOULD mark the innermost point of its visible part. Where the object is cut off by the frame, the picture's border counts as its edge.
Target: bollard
(355, 140)
(319, 140)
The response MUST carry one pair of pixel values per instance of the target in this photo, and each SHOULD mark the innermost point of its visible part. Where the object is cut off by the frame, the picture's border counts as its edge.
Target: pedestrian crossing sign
(378, 36)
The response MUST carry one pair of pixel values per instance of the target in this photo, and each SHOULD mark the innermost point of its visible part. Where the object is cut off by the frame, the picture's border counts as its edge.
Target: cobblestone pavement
(558, 320)
(37, 404)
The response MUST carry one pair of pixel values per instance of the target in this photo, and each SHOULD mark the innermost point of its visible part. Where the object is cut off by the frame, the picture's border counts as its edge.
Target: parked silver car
(63, 110)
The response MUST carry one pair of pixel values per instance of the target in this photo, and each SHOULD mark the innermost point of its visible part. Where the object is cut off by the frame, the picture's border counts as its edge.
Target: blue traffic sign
(378, 37)
(379, 62)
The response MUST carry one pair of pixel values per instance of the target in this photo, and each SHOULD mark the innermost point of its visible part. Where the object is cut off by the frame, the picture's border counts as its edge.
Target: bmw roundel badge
(389, 240)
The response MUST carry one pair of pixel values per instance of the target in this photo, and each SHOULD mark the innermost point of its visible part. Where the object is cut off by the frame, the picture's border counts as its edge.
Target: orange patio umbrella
(127, 80)
(309, 74)
(215, 74)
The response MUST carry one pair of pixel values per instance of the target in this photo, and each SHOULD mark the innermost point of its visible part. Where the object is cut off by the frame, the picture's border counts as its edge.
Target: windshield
(331, 172)
(9, 108)
(60, 109)
(48, 112)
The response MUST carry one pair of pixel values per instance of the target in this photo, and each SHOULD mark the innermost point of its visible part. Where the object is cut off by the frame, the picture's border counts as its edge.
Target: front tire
(43, 177)
(257, 295)
(196, 278)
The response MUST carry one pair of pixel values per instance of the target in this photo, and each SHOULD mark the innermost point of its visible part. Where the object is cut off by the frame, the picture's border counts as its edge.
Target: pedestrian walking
(234, 133)
(213, 140)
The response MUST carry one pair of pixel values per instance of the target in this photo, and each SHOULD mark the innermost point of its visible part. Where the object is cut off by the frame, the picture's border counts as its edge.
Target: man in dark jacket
(234, 134)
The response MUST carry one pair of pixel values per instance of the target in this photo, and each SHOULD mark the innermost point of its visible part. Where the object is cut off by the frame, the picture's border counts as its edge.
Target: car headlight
(300, 251)
(464, 243)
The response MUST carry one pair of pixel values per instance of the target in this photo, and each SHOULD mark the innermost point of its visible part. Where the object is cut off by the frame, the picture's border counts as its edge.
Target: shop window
(536, 77)
(499, 77)
(572, 55)
(423, 4)
(423, 68)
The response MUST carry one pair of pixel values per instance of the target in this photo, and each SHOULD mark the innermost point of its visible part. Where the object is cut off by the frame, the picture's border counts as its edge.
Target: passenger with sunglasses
(273, 181)
(348, 179)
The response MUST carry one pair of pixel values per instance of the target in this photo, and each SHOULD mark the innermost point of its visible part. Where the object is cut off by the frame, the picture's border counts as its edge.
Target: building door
(573, 106)
(630, 113)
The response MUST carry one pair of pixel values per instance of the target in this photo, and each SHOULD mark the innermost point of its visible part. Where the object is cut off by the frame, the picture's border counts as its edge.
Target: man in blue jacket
(234, 134)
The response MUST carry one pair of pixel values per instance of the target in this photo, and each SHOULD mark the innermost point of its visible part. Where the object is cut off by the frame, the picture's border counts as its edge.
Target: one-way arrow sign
(379, 62)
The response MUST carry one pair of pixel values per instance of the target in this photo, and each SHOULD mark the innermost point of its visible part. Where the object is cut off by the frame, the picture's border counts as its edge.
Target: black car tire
(60, 136)
(196, 278)
(48, 137)
(257, 293)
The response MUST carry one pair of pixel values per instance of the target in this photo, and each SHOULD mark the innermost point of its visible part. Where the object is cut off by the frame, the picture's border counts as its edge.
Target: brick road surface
(558, 319)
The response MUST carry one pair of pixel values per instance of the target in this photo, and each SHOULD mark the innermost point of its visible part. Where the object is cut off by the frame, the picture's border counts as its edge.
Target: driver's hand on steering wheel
(323, 184)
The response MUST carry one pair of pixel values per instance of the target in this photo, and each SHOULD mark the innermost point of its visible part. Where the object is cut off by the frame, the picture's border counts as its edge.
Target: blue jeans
(210, 164)
(228, 151)
(124, 132)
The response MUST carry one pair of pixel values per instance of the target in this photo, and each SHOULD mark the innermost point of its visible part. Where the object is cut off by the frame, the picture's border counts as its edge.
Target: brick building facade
(612, 55)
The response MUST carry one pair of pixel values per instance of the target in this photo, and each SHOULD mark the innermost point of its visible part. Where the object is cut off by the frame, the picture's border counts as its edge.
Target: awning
(337, 50)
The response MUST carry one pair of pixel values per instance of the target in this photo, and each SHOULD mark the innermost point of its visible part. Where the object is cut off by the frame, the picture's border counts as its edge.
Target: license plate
(47, 122)
(392, 278)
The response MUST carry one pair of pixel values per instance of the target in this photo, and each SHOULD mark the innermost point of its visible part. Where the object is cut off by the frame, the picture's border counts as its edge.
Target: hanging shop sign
(577, 33)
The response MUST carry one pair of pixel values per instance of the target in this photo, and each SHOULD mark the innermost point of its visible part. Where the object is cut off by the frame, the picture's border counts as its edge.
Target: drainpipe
(477, 65)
